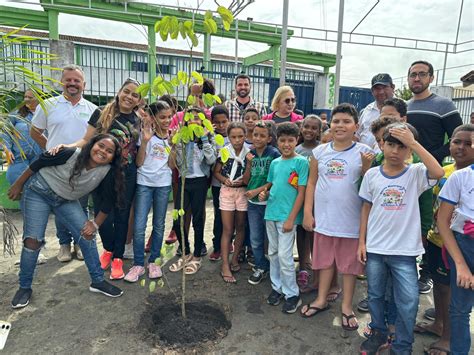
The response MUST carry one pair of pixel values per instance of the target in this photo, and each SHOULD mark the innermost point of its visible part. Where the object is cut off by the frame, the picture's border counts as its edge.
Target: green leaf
(194, 39)
(183, 77)
(188, 26)
(224, 155)
(160, 283)
(191, 100)
(182, 30)
(186, 134)
(217, 99)
(208, 15)
(142, 282)
(219, 140)
(167, 150)
(208, 99)
(152, 286)
(157, 26)
(175, 212)
(168, 87)
(208, 125)
(176, 138)
(198, 77)
(143, 89)
(164, 36)
(188, 116)
(226, 25)
(174, 24)
(213, 25)
(175, 81)
(197, 129)
(181, 212)
(201, 116)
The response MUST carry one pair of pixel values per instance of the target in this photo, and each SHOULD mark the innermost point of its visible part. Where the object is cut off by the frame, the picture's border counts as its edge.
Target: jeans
(38, 202)
(217, 227)
(390, 306)
(402, 270)
(195, 192)
(113, 231)
(282, 264)
(145, 197)
(62, 232)
(258, 234)
(462, 299)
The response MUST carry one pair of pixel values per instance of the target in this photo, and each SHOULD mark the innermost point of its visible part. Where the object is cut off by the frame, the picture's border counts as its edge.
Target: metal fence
(464, 101)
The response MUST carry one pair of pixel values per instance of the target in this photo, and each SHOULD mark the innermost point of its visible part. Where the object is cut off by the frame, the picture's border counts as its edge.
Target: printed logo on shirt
(261, 166)
(392, 197)
(336, 169)
(159, 152)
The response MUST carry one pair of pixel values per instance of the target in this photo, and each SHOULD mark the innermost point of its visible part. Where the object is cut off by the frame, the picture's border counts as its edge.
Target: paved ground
(64, 317)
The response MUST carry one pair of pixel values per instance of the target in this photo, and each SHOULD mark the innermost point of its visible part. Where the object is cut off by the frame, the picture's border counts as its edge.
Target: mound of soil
(205, 321)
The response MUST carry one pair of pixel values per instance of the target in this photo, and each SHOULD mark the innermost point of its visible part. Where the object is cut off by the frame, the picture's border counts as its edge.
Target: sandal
(234, 268)
(192, 267)
(312, 308)
(303, 278)
(423, 328)
(347, 326)
(179, 264)
(228, 279)
(333, 295)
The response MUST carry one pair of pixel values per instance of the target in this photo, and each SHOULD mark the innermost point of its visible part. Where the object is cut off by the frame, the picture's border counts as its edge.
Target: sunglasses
(290, 100)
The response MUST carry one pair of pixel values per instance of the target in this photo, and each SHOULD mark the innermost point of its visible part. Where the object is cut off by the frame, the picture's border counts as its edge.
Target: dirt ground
(64, 317)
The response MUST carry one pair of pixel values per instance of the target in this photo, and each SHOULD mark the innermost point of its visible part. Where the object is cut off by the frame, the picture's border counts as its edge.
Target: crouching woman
(54, 184)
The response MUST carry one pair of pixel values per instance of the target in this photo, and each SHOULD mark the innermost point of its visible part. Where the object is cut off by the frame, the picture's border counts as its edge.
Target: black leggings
(195, 192)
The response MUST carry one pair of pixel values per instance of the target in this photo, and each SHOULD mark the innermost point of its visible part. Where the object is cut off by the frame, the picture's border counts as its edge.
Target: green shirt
(260, 168)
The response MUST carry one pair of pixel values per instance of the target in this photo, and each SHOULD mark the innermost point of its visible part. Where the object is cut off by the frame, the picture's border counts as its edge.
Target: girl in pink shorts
(229, 170)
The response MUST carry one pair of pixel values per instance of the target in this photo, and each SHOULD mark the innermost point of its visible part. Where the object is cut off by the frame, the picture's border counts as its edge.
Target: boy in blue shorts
(390, 234)
(288, 176)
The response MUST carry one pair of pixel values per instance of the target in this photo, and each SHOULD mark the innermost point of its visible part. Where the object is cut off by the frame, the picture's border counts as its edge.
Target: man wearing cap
(382, 89)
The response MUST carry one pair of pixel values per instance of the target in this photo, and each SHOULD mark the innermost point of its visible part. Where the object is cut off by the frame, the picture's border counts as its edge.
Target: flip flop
(427, 350)
(315, 309)
(228, 279)
(347, 326)
(420, 328)
(333, 295)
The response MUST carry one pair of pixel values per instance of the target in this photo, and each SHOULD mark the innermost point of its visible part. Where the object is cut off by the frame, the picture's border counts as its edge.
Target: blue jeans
(390, 306)
(402, 270)
(462, 299)
(282, 264)
(62, 231)
(145, 197)
(38, 202)
(258, 234)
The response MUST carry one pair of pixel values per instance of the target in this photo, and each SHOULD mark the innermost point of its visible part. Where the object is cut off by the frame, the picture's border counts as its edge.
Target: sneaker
(215, 256)
(106, 288)
(375, 343)
(274, 298)
(179, 251)
(172, 238)
(21, 298)
(425, 284)
(204, 249)
(78, 251)
(291, 304)
(257, 276)
(64, 254)
(154, 271)
(148, 245)
(430, 314)
(116, 270)
(105, 259)
(128, 252)
(134, 273)
(363, 305)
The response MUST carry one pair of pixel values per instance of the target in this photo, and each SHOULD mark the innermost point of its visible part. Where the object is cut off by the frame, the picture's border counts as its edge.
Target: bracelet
(95, 225)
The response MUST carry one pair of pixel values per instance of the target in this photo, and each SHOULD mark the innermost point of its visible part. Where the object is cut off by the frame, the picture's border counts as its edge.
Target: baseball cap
(382, 79)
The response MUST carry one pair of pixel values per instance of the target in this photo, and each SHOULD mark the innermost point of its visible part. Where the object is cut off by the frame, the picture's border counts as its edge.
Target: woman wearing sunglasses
(283, 105)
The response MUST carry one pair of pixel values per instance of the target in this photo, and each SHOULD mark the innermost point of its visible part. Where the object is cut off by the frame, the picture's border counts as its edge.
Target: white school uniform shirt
(458, 190)
(336, 201)
(63, 122)
(155, 171)
(394, 226)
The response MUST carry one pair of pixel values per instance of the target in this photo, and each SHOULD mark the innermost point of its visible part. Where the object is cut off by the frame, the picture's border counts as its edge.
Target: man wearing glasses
(434, 117)
(382, 89)
(65, 120)
(243, 100)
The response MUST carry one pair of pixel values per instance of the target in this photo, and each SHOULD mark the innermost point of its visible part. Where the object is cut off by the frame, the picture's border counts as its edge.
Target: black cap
(382, 79)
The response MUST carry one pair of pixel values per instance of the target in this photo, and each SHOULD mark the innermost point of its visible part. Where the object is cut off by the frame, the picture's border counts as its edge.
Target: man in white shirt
(382, 89)
(65, 119)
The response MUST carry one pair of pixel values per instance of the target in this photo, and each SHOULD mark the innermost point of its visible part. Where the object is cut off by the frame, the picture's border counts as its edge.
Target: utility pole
(284, 37)
(339, 52)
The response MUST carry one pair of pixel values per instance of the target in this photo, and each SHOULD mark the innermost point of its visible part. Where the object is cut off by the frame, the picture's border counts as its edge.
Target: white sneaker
(77, 250)
(128, 253)
(64, 254)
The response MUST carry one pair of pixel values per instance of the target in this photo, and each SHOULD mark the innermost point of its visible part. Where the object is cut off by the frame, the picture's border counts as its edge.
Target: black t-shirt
(125, 128)
(278, 119)
(242, 106)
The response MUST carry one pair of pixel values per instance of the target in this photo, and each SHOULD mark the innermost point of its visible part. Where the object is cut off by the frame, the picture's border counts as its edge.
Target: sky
(434, 20)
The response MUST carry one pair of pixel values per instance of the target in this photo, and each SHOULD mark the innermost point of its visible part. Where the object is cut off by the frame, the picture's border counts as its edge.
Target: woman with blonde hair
(283, 106)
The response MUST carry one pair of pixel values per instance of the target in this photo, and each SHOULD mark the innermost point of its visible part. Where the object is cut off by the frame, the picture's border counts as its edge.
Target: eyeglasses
(421, 75)
(289, 100)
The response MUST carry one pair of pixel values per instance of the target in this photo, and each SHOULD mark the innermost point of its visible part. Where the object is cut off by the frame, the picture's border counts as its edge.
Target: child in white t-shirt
(456, 226)
(153, 189)
(390, 233)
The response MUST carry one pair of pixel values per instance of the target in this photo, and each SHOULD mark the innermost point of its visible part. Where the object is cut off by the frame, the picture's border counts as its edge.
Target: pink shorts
(334, 250)
(233, 199)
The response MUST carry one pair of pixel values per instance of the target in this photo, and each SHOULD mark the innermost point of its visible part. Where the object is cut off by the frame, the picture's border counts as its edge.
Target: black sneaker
(375, 343)
(21, 298)
(204, 249)
(430, 314)
(275, 298)
(425, 284)
(257, 276)
(363, 305)
(291, 304)
(106, 289)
